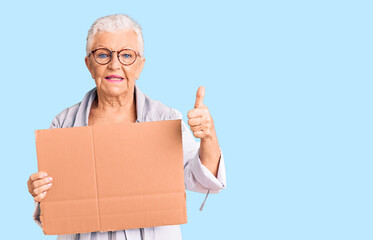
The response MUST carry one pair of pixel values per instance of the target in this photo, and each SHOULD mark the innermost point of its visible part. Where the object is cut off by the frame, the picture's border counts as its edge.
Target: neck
(115, 105)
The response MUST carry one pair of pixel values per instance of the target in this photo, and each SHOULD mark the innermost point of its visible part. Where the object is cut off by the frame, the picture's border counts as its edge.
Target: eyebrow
(125, 47)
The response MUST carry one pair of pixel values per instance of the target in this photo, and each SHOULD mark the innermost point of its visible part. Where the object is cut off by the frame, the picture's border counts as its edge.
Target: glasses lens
(102, 56)
(127, 56)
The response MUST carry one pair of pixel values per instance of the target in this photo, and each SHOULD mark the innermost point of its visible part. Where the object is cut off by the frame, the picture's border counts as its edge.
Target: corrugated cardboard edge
(41, 215)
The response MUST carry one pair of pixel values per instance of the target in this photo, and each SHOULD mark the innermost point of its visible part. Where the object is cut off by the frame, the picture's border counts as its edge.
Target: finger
(198, 134)
(38, 175)
(197, 112)
(41, 189)
(199, 97)
(204, 133)
(195, 121)
(196, 128)
(41, 182)
(37, 183)
(40, 197)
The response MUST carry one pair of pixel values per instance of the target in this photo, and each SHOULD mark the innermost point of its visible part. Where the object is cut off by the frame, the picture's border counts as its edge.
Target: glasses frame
(137, 54)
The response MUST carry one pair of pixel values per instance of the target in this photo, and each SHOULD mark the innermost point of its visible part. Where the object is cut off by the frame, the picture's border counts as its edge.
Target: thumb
(199, 97)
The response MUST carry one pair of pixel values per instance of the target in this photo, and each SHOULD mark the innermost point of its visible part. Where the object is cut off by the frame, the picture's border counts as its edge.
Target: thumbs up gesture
(200, 120)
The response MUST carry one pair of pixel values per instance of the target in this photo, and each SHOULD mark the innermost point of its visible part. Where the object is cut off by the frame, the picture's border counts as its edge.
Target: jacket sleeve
(197, 177)
(36, 216)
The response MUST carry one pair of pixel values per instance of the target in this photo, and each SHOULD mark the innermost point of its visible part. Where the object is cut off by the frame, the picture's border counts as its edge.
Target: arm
(202, 125)
(210, 153)
(197, 176)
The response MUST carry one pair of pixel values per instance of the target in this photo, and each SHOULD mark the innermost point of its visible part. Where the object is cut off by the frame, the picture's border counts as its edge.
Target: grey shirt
(196, 176)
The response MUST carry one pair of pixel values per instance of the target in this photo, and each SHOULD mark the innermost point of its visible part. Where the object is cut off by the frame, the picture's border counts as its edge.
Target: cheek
(92, 69)
(137, 70)
(97, 72)
(131, 73)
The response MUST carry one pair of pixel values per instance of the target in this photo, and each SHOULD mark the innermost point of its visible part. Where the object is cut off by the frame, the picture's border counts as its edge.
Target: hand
(38, 185)
(200, 120)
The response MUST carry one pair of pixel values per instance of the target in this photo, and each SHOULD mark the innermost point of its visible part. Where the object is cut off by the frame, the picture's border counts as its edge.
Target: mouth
(114, 78)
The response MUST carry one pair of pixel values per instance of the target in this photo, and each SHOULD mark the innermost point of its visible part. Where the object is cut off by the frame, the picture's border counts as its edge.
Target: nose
(114, 63)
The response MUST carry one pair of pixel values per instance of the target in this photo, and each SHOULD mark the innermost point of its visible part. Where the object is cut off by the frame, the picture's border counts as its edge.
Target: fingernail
(50, 179)
(49, 184)
(45, 174)
(44, 192)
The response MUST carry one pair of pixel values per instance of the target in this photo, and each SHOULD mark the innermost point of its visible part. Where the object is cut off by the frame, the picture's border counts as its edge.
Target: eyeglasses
(125, 56)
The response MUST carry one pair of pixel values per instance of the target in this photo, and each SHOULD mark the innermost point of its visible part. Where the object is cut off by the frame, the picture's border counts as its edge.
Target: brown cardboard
(112, 177)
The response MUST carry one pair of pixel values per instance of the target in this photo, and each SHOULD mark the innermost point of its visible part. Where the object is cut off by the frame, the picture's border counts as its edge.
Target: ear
(140, 67)
(88, 64)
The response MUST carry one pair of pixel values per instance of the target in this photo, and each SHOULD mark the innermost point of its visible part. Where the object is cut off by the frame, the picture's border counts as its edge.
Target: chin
(115, 90)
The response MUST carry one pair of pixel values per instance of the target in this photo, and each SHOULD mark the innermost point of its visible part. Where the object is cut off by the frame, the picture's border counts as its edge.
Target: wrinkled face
(115, 79)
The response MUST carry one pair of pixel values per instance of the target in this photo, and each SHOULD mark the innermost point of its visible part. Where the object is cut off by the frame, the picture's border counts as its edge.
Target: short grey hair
(114, 23)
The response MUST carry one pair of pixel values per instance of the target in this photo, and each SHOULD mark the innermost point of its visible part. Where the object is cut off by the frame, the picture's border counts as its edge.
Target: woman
(115, 60)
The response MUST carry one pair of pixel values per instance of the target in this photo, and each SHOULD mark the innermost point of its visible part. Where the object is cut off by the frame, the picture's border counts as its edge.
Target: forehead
(116, 40)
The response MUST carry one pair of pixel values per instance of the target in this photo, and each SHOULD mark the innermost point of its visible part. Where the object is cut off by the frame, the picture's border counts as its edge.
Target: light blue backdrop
(288, 83)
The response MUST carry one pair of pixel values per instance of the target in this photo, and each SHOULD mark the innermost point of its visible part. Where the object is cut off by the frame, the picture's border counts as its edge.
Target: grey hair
(114, 23)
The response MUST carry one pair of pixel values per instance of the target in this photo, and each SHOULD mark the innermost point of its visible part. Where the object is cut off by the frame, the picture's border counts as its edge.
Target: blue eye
(126, 55)
(103, 55)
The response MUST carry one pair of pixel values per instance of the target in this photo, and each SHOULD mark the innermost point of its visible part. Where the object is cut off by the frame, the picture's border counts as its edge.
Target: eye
(127, 55)
(103, 55)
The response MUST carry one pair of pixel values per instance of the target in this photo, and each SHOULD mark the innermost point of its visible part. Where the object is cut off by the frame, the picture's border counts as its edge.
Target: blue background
(288, 83)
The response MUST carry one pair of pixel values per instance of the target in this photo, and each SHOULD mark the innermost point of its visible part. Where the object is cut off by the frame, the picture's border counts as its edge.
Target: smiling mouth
(114, 78)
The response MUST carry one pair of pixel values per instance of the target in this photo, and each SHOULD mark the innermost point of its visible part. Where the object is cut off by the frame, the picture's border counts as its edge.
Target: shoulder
(154, 110)
(69, 116)
(66, 117)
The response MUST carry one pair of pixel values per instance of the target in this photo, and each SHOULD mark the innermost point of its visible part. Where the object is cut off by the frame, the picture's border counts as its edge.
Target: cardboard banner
(112, 177)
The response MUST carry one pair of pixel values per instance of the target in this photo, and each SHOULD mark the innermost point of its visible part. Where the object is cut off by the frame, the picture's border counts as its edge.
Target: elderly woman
(115, 60)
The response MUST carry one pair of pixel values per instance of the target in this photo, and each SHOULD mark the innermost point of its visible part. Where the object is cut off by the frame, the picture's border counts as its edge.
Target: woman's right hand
(38, 184)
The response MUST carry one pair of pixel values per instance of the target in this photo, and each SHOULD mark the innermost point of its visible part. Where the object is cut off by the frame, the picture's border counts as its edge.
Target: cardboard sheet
(112, 177)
